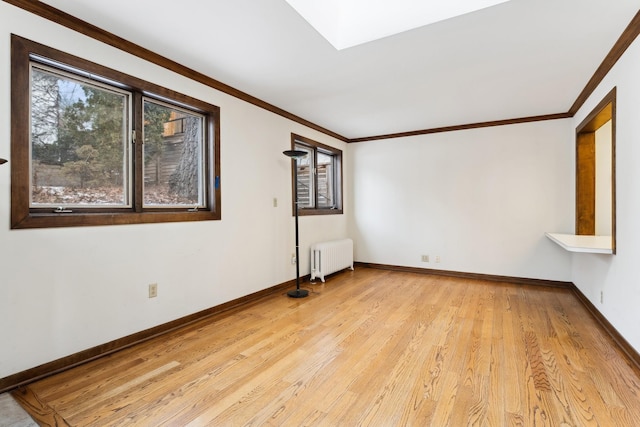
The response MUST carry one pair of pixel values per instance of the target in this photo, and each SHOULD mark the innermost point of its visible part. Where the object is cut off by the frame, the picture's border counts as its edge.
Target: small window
(319, 177)
(92, 146)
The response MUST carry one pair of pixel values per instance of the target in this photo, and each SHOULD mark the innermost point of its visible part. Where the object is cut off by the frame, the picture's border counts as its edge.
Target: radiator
(329, 257)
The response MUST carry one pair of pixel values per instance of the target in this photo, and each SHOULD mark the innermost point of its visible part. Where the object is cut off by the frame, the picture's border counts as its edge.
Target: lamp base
(298, 293)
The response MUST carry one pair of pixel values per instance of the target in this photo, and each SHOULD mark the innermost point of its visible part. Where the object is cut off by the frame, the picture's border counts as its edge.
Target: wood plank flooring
(368, 348)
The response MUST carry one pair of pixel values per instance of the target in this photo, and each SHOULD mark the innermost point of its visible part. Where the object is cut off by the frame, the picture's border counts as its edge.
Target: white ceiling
(516, 59)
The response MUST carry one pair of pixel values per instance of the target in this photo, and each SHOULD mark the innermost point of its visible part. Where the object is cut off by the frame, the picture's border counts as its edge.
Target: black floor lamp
(295, 155)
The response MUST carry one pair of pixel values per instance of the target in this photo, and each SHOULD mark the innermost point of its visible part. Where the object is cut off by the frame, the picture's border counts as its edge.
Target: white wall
(604, 190)
(66, 290)
(479, 199)
(618, 276)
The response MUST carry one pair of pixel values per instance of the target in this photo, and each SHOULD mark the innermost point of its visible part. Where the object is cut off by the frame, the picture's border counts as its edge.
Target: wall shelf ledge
(585, 244)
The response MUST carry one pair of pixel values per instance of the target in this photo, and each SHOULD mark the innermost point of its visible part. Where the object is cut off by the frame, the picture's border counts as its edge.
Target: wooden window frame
(586, 166)
(23, 216)
(337, 153)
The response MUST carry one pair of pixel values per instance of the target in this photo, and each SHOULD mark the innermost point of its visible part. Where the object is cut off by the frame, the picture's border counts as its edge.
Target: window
(93, 146)
(319, 177)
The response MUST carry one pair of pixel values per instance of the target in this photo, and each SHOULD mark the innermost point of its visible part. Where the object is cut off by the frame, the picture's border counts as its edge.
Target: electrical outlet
(293, 259)
(425, 258)
(275, 202)
(437, 258)
(153, 290)
(601, 297)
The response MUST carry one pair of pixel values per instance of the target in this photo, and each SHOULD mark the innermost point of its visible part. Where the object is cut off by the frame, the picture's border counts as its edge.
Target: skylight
(347, 23)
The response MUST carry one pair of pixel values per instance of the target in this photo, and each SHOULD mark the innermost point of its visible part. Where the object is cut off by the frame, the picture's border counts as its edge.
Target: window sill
(306, 211)
(584, 244)
(46, 220)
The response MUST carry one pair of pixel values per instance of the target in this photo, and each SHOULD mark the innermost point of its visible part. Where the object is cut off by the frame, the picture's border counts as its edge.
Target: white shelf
(587, 244)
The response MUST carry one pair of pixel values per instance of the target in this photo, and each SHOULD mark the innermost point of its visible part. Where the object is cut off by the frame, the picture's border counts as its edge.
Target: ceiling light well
(348, 23)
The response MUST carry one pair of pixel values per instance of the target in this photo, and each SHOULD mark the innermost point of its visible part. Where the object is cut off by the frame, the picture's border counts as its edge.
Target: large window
(319, 177)
(92, 146)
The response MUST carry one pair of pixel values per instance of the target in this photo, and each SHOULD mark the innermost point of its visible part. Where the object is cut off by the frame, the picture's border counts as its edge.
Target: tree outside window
(93, 146)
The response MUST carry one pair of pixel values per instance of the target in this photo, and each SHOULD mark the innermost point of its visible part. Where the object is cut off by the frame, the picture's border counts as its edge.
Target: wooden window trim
(585, 167)
(24, 217)
(335, 151)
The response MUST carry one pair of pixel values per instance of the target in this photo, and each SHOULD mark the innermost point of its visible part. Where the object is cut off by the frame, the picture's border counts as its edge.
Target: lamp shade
(294, 154)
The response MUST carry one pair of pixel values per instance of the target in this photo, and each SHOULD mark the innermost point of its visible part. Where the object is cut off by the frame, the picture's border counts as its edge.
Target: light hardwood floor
(368, 348)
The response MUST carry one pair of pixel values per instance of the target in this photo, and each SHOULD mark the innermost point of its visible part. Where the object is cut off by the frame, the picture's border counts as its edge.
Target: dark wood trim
(474, 276)
(20, 132)
(623, 344)
(25, 377)
(24, 216)
(465, 127)
(628, 36)
(312, 212)
(314, 145)
(600, 114)
(66, 20)
(586, 165)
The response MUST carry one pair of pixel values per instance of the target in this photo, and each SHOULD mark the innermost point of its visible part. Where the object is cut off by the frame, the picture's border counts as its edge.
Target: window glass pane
(79, 149)
(173, 156)
(325, 179)
(306, 196)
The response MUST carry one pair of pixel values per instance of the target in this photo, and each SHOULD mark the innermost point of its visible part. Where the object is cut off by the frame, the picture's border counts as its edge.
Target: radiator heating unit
(329, 257)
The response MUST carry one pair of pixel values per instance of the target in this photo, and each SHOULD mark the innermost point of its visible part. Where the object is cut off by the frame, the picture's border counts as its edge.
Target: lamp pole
(295, 155)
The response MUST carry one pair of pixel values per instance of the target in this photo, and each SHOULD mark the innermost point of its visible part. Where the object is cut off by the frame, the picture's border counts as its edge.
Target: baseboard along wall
(25, 377)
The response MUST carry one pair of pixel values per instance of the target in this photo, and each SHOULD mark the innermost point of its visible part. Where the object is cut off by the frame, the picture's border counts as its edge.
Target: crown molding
(465, 127)
(628, 36)
(45, 11)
